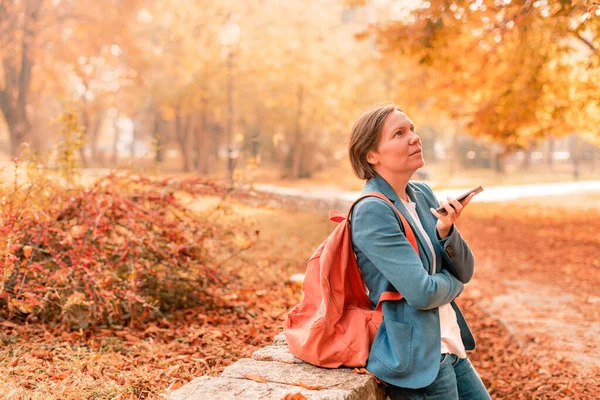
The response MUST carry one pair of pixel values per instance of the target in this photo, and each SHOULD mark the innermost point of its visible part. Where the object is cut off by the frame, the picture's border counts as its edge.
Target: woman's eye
(399, 133)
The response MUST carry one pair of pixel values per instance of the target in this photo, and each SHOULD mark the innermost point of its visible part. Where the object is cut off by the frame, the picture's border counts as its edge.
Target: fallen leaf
(255, 377)
(361, 371)
(13, 362)
(46, 355)
(131, 338)
(60, 377)
(293, 396)
(174, 386)
(27, 251)
(305, 386)
(9, 324)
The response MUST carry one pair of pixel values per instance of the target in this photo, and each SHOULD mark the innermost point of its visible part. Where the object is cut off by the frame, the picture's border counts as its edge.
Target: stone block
(357, 386)
(275, 353)
(209, 388)
(280, 340)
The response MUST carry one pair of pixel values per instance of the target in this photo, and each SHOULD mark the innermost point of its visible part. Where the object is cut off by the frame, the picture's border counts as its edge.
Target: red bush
(120, 251)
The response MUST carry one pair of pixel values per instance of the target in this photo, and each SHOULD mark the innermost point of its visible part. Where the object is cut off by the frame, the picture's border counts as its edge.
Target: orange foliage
(122, 251)
(233, 321)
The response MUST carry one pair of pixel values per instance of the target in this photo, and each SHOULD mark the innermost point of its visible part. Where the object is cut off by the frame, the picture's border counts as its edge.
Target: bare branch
(587, 42)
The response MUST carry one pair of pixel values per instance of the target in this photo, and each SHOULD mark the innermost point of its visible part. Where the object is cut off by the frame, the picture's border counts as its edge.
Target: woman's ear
(372, 157)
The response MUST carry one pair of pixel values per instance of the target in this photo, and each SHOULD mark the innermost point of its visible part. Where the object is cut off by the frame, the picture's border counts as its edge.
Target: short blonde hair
(365, 136)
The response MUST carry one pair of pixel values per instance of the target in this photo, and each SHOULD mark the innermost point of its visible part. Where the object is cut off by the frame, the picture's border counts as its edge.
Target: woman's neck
(398, 183)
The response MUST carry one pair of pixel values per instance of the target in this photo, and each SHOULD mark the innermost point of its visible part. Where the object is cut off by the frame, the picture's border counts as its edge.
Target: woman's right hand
(453, 210)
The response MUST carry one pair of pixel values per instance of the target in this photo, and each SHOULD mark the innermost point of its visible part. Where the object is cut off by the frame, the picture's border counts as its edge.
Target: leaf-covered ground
(558, 248)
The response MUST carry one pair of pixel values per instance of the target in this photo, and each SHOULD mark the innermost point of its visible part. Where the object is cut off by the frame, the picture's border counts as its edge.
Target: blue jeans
(457, 379)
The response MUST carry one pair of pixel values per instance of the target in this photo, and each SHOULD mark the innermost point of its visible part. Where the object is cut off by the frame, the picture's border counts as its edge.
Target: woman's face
(399, 148)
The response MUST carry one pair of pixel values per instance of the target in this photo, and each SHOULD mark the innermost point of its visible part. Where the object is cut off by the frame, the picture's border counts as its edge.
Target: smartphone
(460, 198)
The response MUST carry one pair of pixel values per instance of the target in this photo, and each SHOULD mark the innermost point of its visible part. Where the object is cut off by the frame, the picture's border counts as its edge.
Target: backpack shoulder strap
(408, 232)
(410, 235)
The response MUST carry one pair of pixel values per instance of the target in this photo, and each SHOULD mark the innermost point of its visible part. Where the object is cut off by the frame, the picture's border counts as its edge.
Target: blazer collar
(381, 185)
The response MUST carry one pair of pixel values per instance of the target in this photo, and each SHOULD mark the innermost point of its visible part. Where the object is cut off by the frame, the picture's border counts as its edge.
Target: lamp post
(229, 36)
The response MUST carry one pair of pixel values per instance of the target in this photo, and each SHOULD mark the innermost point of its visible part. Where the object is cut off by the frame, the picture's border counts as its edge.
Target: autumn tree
(513, 71)
(291, 84)
(54, 47)
(17, 71)
(305, 78)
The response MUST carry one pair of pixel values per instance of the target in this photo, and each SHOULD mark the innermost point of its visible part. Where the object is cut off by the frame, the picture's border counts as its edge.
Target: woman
(420, 347)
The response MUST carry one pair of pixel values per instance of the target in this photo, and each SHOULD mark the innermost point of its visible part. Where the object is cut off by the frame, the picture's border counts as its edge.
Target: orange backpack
(334, 324)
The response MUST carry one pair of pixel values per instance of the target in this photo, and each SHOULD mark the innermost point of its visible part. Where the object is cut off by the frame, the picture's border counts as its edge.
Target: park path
(548, 321)
(490, 194)
(545, 320)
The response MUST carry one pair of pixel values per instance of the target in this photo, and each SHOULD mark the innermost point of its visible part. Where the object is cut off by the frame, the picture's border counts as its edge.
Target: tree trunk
(17, 128)
(216, 133)
(158, 137)
(116, 138)
(134, 134)
(574, 155)
(182, 132)
(454, 151)
(84, 134)
(527, 156)
(202, 143)
(499, 161)
(256, 136)
(14, 96)
(137, 126)
(550, 154)
(94, 134)
(297, 145)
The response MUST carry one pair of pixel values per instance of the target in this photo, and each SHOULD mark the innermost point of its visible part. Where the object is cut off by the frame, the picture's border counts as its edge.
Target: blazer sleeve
(457, 256)
(376, 232)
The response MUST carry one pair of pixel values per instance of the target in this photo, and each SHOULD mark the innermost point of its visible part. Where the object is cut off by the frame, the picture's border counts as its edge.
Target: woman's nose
(415, 139)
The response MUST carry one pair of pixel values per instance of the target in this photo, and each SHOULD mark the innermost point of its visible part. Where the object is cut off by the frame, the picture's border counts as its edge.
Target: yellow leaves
(20, 306)
(75, 299)
(242, 242)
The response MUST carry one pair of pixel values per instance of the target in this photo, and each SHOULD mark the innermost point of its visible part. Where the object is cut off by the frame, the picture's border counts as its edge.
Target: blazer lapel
(377, 183)
(427, 219)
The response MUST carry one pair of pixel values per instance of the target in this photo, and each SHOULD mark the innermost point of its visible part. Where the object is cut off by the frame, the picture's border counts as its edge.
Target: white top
(449, 329)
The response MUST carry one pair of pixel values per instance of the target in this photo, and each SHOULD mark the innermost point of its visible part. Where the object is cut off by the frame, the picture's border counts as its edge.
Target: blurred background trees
(215, 86)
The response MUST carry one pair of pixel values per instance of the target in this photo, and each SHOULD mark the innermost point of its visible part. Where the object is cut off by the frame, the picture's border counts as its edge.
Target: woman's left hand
(453, 210)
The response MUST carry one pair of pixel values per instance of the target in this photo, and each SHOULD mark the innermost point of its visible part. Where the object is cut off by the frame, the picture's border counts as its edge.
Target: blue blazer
(406, 349)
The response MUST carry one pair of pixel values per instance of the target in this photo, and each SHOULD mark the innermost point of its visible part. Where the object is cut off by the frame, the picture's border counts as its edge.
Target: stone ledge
(278, 372)
(208, 388)
(284, 375)
(280, 340)
(276, 353)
